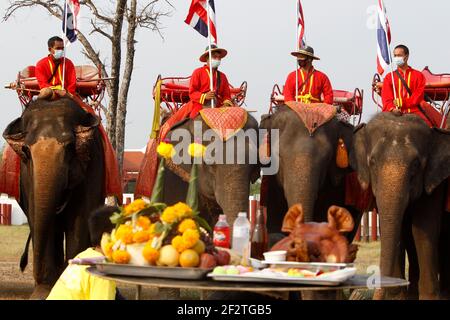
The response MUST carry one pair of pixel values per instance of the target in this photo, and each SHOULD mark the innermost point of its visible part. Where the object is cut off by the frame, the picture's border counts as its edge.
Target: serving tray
(153, 272)
(334, 278)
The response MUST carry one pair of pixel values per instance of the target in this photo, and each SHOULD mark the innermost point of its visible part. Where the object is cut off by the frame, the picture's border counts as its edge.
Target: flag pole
(211, 83)
(389, 49)
(64, 37)
(297, 44)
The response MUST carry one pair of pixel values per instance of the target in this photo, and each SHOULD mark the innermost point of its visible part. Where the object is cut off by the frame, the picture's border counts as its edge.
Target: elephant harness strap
(225, 121)
(313, 115)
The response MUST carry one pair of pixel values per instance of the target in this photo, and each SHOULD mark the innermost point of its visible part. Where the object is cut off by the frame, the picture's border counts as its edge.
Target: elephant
(406, 163)
(61, 181)
(308, 173)
(222, 188)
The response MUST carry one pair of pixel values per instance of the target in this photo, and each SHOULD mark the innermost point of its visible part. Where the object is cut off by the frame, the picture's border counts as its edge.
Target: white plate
(332, 279)
(308, 265)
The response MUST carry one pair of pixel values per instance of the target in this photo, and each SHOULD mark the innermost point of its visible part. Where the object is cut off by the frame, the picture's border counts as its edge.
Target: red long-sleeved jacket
(200, 85)
(409, 103)
(45, 68)
(317, 85)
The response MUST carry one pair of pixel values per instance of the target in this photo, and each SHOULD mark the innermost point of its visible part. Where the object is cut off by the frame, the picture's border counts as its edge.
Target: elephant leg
(426, 232)
(76, 231)
(444, 257)
(413, 264)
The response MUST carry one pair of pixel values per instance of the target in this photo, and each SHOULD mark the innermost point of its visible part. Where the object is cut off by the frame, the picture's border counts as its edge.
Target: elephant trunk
(302, 186)
(49, 176)
(232, 191)
(392, 200)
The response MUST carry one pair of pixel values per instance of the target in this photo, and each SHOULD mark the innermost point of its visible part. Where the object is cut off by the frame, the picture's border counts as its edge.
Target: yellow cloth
(76, 284)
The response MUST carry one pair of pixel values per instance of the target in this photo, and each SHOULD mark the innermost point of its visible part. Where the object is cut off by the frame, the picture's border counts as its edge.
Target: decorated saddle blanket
(313, 115)
(226, 121)
(10, 166)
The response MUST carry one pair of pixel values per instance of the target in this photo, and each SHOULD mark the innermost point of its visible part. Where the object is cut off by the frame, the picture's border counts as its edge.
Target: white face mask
(215, 63)
(58, 54)
(399, 61)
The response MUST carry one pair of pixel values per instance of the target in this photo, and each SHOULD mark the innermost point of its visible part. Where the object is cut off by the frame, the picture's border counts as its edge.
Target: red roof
(132, 160)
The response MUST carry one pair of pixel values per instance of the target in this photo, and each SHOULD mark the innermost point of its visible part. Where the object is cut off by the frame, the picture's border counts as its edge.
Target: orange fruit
(199, 247)
(189, 259)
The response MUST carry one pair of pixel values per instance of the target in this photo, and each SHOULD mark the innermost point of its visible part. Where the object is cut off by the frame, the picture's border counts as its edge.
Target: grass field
(17, 285)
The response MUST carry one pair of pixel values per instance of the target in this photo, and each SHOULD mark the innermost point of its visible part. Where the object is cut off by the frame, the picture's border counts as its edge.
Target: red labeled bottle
(221, 236)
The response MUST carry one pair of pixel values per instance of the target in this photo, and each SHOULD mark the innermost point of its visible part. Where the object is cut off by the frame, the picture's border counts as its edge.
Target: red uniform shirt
(45, 68)
(409, 103)
(200, 85)
(318, 86)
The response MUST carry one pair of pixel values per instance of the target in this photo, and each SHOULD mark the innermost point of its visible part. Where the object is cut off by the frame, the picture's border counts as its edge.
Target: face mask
(215, 63)
(399, 61)
(58, 54)
(302, 63)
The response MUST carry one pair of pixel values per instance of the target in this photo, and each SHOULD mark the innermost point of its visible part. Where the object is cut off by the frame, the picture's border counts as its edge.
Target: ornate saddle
(226, 122)
(313, 115)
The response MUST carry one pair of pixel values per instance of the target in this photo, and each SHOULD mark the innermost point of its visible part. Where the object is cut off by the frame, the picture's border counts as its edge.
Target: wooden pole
(374, 229)
(366, 237)
(358, 234)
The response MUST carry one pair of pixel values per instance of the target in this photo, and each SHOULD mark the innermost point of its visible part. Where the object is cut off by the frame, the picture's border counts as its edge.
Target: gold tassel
(341, 155)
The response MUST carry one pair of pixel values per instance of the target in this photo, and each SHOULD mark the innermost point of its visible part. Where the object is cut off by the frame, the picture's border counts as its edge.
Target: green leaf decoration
(202, 222)
(192, 194)
(158, 188)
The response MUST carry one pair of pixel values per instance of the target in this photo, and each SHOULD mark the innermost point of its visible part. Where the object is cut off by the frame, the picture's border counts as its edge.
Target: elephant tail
(24, 258)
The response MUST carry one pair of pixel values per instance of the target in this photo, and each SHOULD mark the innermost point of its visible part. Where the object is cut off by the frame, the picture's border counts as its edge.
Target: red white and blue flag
(70, 17)
(384, 39)
(301, 26)
(198, 18)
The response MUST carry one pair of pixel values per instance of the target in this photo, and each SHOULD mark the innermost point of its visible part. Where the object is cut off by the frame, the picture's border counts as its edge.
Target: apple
(207, 261)
(223, 257)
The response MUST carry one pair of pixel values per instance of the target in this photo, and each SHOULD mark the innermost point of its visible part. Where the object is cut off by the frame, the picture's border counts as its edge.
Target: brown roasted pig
(317, 242)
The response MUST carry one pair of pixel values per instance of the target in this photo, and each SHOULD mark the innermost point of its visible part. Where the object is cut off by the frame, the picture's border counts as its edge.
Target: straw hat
(214, 48)
(304, 53)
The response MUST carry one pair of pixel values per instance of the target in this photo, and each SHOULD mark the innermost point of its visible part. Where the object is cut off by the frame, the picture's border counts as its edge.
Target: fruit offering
(231, 270)
(160, 235)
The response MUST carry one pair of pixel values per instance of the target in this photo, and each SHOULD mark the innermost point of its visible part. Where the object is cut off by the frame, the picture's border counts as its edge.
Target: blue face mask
(215, 63)
(399, 61)
(58, 54)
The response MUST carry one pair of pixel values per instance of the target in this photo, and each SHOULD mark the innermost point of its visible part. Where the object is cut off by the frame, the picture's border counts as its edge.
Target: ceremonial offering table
(357, 282)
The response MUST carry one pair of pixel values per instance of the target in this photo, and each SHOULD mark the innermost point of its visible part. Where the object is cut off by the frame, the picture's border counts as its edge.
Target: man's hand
(377, 86)
(397, 103)
(210, 95)
(61, 93)
(228, 103)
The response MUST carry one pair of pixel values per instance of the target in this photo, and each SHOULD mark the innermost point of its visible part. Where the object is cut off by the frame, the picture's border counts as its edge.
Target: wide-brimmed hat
(214, 48)
(304, 53)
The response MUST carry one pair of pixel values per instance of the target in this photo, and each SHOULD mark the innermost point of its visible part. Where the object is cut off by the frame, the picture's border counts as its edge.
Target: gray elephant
(308, 173)
(406, 164)
(61, 181)
(222, 188)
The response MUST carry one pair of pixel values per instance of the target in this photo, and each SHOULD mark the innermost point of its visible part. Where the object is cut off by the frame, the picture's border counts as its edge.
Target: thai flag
(384, 39)
(70, 19)
(198, 18)
(301, 26)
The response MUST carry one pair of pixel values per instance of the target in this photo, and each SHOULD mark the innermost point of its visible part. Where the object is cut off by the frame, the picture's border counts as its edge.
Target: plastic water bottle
(221, 236)
(241, 235)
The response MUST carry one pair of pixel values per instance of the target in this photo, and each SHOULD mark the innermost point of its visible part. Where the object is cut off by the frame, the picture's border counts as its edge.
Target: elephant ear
(340, 219)
(438, 166)
(84, 134)
(15, 136)
(358, 156)
(293, 217)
